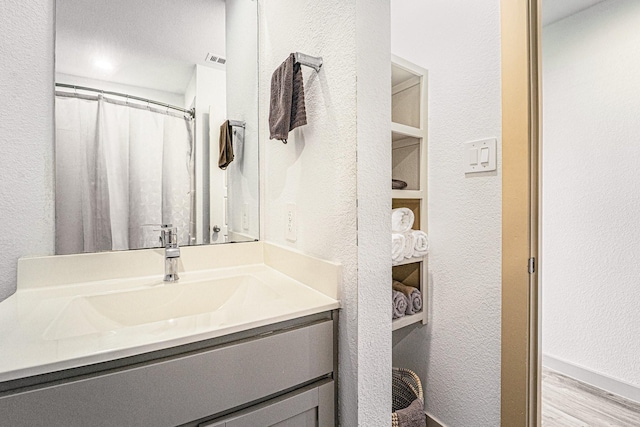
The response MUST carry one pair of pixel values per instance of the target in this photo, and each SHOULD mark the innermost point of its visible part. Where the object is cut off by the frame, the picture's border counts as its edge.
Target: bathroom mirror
(143, 88)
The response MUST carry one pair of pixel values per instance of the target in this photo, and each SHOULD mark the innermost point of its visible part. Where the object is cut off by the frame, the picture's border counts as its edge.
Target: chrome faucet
(169, 239)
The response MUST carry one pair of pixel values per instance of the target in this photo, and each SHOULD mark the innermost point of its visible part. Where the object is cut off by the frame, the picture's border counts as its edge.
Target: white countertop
(28, 346)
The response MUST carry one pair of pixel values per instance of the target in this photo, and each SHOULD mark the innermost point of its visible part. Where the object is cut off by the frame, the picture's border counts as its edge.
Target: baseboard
(433, 422)
(604, 382)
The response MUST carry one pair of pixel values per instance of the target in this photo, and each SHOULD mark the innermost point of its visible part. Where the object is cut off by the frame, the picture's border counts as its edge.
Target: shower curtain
(120, 171)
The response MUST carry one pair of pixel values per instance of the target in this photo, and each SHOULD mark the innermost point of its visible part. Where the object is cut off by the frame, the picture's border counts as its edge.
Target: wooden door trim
(520, 135)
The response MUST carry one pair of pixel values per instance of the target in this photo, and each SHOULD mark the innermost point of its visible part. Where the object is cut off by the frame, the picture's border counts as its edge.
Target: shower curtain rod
(191, 112)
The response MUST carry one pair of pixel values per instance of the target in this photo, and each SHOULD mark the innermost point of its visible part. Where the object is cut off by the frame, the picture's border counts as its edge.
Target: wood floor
(570, 403)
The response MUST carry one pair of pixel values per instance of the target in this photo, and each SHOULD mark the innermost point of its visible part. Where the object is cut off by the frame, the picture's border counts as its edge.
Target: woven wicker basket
(405, 387)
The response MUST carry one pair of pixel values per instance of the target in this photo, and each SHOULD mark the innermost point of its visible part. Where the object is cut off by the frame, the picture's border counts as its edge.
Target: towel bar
(237, 123)
(314, 62)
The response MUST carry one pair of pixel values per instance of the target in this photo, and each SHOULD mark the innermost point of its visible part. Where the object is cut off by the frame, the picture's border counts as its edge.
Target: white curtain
(119, 171)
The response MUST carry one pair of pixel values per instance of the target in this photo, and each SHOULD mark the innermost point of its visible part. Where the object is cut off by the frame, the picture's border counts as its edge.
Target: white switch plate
(475, 156)
(290, 226)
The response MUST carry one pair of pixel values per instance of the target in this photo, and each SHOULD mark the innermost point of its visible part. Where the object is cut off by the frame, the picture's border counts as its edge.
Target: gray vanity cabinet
(279, 375)
(312, 407)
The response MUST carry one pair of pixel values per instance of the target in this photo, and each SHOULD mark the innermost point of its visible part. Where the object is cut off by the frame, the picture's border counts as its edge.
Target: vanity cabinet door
(311, 408)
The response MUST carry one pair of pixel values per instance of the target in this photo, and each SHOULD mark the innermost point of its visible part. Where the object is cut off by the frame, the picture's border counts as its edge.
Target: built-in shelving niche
(409, 164)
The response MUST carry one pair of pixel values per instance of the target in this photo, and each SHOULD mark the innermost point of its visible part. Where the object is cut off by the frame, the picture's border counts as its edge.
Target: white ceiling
(555, 10)
(149, 43)
(155, 43)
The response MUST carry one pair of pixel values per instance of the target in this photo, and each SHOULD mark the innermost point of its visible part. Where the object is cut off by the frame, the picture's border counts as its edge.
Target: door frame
(520, 355)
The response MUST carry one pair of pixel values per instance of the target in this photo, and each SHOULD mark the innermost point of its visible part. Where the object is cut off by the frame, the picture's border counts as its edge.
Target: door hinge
(532, 265)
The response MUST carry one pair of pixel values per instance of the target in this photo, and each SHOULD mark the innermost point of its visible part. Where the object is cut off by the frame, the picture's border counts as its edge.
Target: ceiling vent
(215, 59)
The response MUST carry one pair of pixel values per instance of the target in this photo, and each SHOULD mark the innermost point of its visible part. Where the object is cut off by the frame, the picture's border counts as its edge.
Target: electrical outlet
(290, 230)
(245, 216)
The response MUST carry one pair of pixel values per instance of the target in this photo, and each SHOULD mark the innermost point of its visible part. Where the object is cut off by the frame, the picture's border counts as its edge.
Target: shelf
(408, 83)
(402, 141)
(407, 320)
(401, 78)
(410, 260)
(403, 131)
(407, 194)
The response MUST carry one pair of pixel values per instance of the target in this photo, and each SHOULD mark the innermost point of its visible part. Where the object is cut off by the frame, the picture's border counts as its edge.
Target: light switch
(473, 156)
(484, 155)
(480, 156)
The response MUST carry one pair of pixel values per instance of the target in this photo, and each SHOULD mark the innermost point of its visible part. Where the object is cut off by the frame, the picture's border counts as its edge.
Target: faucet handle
(168, 234)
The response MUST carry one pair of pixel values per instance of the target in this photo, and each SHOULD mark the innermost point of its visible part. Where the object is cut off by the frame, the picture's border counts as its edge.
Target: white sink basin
(221, 298)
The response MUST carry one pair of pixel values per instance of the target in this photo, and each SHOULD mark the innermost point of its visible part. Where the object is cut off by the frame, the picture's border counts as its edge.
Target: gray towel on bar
(413, 415)
(287, 110)
(226, 146)
(400, 303)
(413, 295)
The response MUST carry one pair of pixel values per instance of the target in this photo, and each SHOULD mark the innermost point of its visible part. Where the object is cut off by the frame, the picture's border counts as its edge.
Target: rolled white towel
(401, 220)
(397, 247)
(409, 245)
(421, 243)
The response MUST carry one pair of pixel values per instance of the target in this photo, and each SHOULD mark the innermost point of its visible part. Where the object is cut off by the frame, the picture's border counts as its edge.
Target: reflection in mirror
(146, 92)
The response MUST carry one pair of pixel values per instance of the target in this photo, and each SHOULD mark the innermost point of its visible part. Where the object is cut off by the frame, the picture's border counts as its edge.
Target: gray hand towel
(414, 297)
(400, 303)
(413, 415)
(287, 110)
(416, 301)
(226, 146)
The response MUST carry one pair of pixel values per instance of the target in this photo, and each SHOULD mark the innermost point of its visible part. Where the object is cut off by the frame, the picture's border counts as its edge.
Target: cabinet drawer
(180, 389)
(310, 408)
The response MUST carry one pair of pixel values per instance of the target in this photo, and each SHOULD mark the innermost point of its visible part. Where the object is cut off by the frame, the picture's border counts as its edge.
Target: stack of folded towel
(405, 242)
(406, 300)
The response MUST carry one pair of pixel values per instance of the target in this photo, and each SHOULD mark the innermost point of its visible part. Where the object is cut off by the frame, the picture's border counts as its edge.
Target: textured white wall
(458, 353)
(374, 211)
(211, 111)
(26, 134)
(591, 190)
(242, 104)
(210, 91)
(317, 170)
